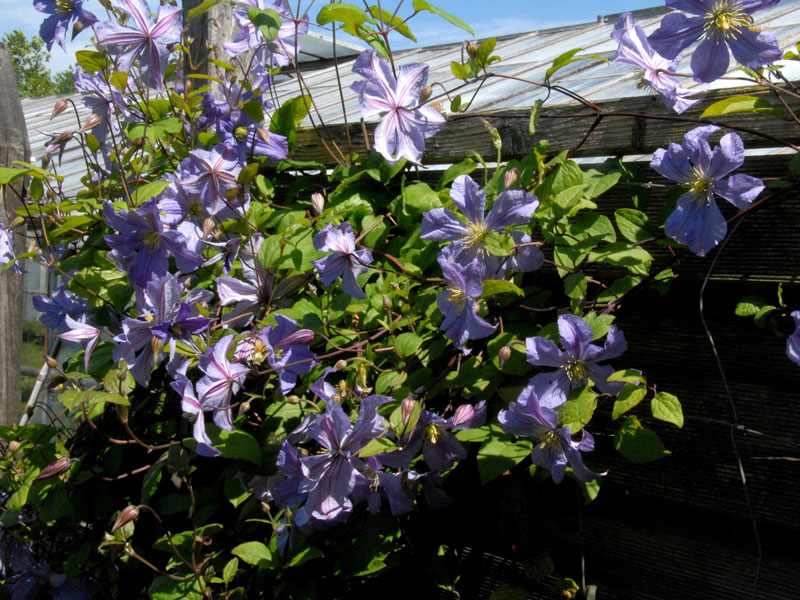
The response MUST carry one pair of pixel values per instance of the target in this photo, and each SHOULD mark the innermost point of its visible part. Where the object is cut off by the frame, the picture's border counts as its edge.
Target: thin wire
(735, 425)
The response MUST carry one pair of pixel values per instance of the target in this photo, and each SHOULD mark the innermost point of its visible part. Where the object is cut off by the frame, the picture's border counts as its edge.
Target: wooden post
(13, 146)
(207, 34)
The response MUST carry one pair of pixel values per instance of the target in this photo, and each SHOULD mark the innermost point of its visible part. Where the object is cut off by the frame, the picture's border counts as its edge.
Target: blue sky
(496, 17)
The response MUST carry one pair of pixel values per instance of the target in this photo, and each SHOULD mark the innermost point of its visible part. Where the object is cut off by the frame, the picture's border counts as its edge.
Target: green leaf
(738, 104)
(166, 588)
(633, 224)
(568, 58)
(151, 480)
(575, 285)
(500, 453)
(464, 167)
(637, 443)
(420, 5)
(628, 397)
(600, 183)
(91, 60)
(628, 376)
(254, 109)
(236, 444)
(201, 9)
(577, 411)
(493, 287)
(268, 21)
(479, 434)
(229, 571)
(667, 408)
(72, 398)
(536, 111)
(253, 553)
(407, 343)
(622, 255)
(351, 17)
(459, 70)
(71, 223)
(147, 191)
(750, 305)
(567, 199)
(389, 381)
(393, 21)
(8, 175)
(419, 198)
(286, 119)
(306, 554)
(377, 446)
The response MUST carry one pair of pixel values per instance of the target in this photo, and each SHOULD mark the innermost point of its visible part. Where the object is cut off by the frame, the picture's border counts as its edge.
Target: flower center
(476, 235)
(701, 184)
(726, 21)
(549, 438)
(433, 432)
(576, 372)
(151, 239)
(240, 133)
(65, 6)
(458, 297)
(259, 351)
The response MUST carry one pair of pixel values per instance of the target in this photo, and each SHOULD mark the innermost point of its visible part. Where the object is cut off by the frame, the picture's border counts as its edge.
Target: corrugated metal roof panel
(526, 56)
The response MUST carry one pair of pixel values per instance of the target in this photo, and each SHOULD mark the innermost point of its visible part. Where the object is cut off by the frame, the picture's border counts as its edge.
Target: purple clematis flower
(576, 364)
(223, 379)
(165, 321)
(345, 262)
(697, 221)
(512, 207)
(191, 405)
(58, 306)
(719, 23)
(330, 477)
(457, 303)
(554, 448)
(7, 254)
(268, 53)
(634, 49)
(104, 100)
(143, 245)
(405, 123)
(81, 333)
(440, 448)
(209, 174)
(793, 343)
(146, 41)
(54, 28)
(282, 345)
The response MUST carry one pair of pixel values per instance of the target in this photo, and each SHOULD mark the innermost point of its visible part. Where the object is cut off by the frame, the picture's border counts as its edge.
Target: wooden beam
(13, 146)
(564, 126)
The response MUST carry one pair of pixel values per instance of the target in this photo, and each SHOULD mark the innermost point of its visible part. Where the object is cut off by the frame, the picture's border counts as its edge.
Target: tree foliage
(29, 57)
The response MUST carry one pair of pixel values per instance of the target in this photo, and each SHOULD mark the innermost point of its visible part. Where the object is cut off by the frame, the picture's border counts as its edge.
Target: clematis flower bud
(407, 407)
(13, 446)
(510, 178)
(59, 107)
(472, 49)
(126, 515)
(387, 302)
(17, 222)
(51, 362)
(90, 123)
(55, 468)
(504, 354)
(317, 202)
(263, 134)
(340, 365)
(425, 93)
